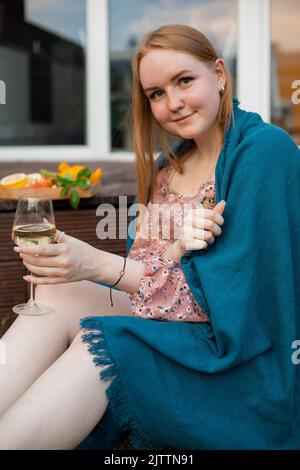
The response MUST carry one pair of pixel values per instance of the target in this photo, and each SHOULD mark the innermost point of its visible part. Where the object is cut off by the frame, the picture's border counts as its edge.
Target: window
(42, 63)
(285, 65)
(217, 19)
(65, 68)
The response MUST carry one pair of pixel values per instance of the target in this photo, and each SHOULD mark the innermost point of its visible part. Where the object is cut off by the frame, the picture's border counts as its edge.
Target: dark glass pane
(285, 66)
(217, 19)
(42, 63)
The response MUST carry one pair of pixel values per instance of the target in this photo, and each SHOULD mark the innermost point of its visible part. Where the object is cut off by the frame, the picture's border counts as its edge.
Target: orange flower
(63, 167)
(96, 176)
(73, 171)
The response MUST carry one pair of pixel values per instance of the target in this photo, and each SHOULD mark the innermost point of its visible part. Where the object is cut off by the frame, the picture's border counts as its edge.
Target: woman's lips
(184, 118)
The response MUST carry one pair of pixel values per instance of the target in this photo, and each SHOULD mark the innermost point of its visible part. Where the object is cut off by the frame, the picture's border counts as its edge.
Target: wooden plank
(6, 243)
(6, 320)
(13, 290)
(81, 224)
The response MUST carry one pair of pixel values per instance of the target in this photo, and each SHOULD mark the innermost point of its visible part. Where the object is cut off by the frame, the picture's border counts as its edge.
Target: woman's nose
(174, 101)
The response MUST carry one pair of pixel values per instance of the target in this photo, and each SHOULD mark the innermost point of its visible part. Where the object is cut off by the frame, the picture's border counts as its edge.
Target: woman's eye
(155, 94)
(158, 93)
(185, 80)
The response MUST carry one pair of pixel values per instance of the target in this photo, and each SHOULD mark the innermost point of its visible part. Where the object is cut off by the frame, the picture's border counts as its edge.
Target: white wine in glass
(33, 225)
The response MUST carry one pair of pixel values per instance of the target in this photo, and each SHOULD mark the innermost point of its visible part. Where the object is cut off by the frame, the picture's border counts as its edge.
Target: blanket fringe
(116, 393)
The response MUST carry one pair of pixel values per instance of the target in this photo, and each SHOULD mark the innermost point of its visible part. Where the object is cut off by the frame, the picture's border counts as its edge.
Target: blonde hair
(146, 130)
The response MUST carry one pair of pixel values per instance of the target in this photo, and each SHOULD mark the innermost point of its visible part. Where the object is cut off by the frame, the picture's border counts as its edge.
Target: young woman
(197, 350)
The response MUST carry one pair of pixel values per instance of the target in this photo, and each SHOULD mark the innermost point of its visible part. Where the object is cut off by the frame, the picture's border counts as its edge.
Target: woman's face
(182, 86)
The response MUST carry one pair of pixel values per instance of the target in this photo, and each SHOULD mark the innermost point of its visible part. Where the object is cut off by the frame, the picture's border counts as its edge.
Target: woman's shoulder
(275, 135)
(271, 144)
(265, 134)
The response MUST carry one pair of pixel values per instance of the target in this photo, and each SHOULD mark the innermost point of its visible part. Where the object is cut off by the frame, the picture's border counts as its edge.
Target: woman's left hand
(70, 261)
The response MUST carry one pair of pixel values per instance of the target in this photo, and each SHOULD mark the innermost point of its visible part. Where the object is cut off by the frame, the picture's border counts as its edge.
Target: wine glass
(33, 225)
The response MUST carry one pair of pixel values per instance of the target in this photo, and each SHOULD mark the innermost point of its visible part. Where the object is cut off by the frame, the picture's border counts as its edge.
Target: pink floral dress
(163, 293)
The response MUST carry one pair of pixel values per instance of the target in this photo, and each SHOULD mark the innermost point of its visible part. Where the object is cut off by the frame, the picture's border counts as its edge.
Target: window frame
(254, 56)
(253, 83)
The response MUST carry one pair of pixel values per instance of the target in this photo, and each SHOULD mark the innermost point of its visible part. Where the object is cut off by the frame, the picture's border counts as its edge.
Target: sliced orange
(16, 180)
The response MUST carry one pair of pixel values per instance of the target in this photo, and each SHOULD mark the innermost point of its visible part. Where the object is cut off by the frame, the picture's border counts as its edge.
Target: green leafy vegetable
(74, 199)
(67, 183)
(84, 184)
(85, 172)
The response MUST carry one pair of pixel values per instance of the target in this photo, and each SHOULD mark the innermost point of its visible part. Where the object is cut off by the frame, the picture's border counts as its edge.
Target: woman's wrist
(174, 252)
(99, 264)
(106, 268)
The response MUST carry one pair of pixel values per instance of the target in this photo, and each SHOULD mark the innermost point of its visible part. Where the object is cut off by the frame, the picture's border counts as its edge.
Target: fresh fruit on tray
(69, 178)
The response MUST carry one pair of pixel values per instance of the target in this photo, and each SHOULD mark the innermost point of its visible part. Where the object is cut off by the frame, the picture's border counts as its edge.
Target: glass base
(31, 308)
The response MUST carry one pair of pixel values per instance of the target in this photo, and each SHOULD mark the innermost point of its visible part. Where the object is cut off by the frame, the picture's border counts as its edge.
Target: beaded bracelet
(122, 272)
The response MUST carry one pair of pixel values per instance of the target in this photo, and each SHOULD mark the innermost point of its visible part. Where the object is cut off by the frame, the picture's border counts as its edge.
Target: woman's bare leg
(61, 408)
(34, 343)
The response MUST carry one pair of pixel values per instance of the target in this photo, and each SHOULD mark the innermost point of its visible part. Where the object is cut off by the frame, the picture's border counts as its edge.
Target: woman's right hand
(200, 227)
(71, 260)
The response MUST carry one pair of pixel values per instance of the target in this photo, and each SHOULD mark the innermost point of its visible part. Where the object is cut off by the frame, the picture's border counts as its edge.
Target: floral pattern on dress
(163, 293)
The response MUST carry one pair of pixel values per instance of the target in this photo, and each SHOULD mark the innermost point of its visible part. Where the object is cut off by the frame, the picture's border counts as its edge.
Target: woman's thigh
(76, 300)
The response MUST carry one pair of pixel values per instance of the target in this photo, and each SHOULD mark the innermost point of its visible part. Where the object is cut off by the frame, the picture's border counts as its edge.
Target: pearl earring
(221, 90)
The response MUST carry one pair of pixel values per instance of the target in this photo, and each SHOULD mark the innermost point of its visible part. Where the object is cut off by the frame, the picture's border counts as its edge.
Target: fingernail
(17, 249)
(224, 202)
(26, 278)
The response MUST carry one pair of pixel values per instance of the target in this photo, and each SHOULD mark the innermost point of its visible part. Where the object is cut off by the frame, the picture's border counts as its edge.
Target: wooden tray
(47, 193)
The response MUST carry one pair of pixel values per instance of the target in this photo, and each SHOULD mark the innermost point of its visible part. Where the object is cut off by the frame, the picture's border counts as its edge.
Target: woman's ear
(221, 71)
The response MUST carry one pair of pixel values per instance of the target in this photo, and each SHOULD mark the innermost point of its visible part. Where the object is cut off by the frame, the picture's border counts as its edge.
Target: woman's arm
(107, 267)
(74, 260)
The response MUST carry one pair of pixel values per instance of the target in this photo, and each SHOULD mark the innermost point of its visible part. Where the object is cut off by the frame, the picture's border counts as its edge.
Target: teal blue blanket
(231, 384)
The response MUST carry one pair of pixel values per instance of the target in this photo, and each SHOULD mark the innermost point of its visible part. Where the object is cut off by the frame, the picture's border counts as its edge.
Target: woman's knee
(73, 301)
(70, 302)
(51, 294)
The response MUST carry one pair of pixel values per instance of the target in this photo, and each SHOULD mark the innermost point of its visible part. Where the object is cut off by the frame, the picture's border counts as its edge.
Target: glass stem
(32, 299)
